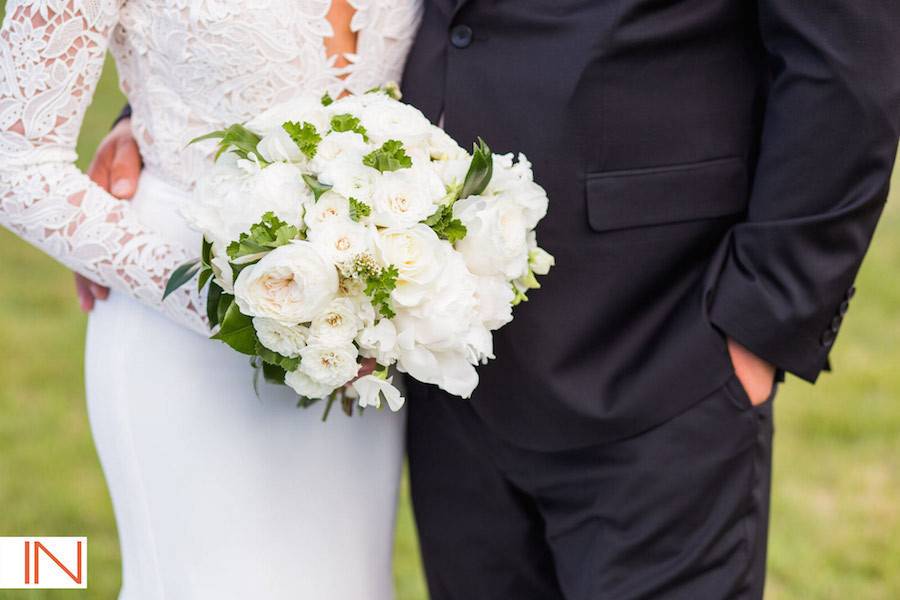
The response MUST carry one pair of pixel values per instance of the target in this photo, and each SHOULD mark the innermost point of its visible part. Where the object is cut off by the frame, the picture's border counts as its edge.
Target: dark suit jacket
(714, 167)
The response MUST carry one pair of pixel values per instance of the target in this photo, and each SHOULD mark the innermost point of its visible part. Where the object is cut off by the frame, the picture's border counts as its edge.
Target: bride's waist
(158, 205)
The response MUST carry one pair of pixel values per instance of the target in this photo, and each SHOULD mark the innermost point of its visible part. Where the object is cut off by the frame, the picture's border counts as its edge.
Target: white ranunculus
(379, 342)
(353, 181)
(371, 387)
(495, 296)
(330, 206)
(287, 341)
(336, 152)
(304, 385)
(277, 146)
(405, 197)
(292, 284)
(341, 239)
(336, 325)
(329, 365)
(416, 252)
(496, 239)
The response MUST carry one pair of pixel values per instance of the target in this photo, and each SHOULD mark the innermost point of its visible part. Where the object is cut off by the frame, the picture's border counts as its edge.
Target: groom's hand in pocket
(755, 374)
(116, 167)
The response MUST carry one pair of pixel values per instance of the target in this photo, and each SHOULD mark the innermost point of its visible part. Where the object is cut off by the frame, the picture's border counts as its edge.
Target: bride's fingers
(83, 290)
(126, 168)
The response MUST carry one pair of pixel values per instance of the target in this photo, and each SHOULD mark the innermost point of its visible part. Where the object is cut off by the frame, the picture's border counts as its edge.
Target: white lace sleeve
(51, 56)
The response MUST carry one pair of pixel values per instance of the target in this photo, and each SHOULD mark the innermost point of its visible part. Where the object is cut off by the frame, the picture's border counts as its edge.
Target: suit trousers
(678, 512)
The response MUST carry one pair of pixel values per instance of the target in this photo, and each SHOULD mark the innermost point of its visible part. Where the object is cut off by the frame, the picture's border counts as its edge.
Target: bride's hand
(116, 167)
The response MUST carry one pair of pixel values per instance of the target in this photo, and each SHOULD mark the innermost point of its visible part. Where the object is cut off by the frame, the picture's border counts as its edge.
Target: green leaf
(181, 276)
(445, 226)
(206, 253)
(237, 138)
(225, 302)
(390, 157)
(273, 358)
(317, 188)
(480, 171)
(205, 274)
(359, 209)
(347, 122)
(237, 331)
(389, 89)
(327, 100)
(273, 373)
(212, 303)
(305, 136)
(270, 233)
(379, 287)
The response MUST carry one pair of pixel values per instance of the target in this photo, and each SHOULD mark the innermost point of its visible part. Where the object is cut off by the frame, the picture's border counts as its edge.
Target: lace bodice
(188, 67)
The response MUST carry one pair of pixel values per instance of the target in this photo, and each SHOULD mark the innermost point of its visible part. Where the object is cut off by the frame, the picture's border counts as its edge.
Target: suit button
(845, 306)
(850, 293)
(836, 324)
(461, 36)
(828, 338)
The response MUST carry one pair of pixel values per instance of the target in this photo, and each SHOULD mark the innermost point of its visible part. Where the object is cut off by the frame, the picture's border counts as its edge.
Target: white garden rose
(218, 208)
(394, 120)
(371, 388)
(336, 325)
(279, 188)
(305, 386)
(329, 365)
(337, 151)
(496, 239)
(285, 340)
(330, 206)
(342, 239)
(416, 252)
(292, 284)
(405, 197)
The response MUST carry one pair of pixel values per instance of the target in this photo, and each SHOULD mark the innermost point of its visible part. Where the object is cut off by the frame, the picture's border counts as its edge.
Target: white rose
(379, 342)
(496, 239)
(304, 385)
(329, 365)
(218, 208)
(292, 284)
(405, 197)
(336, 325)
(341, 240)
(287, 341)
(442, 147)
(330, 206)
(370, 389)
(386, 120)
(416, 252)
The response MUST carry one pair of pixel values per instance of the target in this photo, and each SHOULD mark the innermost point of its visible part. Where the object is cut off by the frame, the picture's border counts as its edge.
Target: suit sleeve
(125, 114)
(828, 146)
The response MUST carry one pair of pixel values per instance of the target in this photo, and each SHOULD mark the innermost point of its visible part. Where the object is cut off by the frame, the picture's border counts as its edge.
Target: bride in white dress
(217, 493)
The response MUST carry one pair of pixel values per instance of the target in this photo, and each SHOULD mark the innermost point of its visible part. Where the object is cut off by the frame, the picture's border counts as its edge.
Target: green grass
(836, 512)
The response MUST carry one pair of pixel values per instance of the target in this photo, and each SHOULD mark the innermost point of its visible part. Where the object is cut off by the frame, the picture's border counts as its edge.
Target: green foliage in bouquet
(268, 234)
(236, 138)
(480, 171)
(305, 136)
(445, 226)
(390, 157)
(347, 122)
(318, 188)
(358, 209)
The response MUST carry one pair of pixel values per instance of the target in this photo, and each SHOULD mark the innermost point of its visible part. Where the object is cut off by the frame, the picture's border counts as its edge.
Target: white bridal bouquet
(337, 231)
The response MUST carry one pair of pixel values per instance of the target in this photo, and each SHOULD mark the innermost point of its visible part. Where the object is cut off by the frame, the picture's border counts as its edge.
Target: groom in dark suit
(716, 170)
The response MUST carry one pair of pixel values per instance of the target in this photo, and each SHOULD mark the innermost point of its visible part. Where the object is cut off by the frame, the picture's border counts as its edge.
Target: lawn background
(836, 502)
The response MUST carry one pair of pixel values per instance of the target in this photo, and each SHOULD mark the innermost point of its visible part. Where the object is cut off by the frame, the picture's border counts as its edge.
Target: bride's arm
(51, 56)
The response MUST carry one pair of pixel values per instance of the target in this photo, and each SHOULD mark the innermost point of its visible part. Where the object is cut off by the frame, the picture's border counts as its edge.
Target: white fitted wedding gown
(218, 494)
